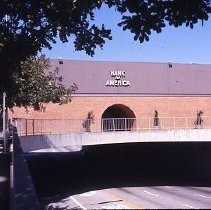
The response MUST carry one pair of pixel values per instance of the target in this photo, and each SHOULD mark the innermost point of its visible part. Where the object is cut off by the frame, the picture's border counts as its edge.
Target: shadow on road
(120, 165)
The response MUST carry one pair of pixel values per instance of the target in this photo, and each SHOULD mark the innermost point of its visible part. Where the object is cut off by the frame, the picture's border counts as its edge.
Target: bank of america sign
(117, 79)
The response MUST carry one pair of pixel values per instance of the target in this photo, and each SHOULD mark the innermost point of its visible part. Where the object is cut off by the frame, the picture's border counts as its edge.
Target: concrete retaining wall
(72, 142)
(23, 194)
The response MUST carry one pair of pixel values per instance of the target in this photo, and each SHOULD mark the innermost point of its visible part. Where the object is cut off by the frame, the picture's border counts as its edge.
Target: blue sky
(183, 45)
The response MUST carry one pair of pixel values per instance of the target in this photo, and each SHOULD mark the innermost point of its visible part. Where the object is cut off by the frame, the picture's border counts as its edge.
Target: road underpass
(144, 166)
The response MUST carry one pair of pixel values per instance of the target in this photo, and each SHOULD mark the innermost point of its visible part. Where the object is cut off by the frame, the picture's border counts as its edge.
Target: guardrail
(61, 126)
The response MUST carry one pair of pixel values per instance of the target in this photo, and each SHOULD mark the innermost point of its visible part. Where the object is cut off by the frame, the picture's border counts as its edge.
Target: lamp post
(4, 112)
(4, 121)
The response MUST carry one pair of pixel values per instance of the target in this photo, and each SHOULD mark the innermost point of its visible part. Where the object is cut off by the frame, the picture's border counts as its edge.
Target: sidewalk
(4, 181)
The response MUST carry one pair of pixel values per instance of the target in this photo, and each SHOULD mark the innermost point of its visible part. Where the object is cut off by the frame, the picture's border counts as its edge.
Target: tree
(27, 26)
(37, 85)
(156, 119)
(198, 122)
(88, 121)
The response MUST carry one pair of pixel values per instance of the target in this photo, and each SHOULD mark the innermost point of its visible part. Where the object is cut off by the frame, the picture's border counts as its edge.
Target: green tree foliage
(38, 84)
(27, 26)
(144, 16)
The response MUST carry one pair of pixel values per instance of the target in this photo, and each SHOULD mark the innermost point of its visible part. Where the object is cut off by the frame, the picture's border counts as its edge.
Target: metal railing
(118, 124)
(62, 126)
(148, 123)
(47, 126)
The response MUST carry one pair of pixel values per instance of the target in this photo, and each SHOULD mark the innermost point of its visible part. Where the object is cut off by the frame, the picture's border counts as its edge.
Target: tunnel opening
(118, 117)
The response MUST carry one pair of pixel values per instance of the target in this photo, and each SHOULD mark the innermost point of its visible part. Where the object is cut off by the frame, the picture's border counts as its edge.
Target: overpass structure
(72, 135)
(193, 144)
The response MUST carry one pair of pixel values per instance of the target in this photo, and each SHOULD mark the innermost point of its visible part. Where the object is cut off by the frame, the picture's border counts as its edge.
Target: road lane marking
(129, 203)
(203, 196)
(186, 205)
(115, 206)
(88, 194)
(151, 193)
(168, 187)
(77, 202)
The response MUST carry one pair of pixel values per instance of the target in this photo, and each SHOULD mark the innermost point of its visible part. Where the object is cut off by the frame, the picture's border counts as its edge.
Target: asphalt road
(172, 175)
(157, 197)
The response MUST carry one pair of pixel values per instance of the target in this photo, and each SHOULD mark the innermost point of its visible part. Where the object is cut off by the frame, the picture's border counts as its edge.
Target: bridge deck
(75, 141)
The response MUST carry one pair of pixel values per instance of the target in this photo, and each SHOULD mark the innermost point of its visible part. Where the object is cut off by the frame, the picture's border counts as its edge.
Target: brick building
(131, 90)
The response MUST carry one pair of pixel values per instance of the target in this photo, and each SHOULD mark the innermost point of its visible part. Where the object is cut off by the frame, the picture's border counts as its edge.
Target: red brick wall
(141, 106)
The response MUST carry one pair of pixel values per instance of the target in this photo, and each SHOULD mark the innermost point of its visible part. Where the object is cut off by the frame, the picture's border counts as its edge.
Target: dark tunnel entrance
(118, 117)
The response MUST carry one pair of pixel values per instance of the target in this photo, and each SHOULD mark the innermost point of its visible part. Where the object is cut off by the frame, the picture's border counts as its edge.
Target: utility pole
(4, 122)
(4, 113)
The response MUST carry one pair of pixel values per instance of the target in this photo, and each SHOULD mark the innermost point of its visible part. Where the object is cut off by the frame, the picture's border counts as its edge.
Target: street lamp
(4, 121)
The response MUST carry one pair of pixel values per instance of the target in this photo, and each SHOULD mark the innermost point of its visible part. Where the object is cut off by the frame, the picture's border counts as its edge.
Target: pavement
(151, 197)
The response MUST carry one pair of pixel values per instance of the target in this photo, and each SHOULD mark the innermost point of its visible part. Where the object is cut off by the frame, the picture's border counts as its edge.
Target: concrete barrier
(153, 136)
(49, 143)
(74, 142)
(23, 194)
